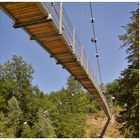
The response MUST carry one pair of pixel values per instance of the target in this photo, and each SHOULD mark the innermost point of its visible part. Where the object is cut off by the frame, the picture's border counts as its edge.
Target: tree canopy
(126, 87)
(27, 112)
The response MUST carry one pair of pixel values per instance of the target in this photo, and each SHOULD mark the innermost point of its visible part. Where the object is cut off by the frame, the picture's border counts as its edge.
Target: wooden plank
(50, 39)
(63, 60)
(15, 5)
(30, 18)
(21, 16)
(31, 23)
(23, 11)
(26, 13)
(66, 57)
(40, 31)
(41, 26)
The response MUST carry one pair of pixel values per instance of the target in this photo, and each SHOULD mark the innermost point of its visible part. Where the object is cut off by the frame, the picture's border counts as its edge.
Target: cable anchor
(93, 39)
(97, 55)
(92, 20)
(63, 27)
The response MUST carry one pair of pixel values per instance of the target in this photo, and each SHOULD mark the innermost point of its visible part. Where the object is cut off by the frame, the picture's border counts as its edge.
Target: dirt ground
(94, 126)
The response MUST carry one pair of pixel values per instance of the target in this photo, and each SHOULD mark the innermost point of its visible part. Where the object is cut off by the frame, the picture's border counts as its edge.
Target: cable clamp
(93, 39)
(92, 20)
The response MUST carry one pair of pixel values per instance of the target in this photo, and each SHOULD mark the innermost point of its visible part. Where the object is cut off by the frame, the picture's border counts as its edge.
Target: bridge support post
(60, 18)
(104, 128)
(73, 43)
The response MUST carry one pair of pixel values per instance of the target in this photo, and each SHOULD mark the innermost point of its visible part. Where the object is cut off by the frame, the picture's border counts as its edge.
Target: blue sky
(109, 16)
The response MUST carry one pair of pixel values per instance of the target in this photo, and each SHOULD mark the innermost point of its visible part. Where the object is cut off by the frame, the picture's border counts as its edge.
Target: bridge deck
(32, 18)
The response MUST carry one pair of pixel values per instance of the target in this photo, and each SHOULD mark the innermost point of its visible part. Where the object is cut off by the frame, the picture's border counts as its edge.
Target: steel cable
(95, 43)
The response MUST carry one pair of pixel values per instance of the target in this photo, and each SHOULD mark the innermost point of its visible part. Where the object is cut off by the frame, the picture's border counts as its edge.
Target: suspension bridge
(48, 24)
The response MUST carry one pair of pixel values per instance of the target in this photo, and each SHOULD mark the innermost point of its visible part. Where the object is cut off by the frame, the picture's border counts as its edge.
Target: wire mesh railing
(68, 32)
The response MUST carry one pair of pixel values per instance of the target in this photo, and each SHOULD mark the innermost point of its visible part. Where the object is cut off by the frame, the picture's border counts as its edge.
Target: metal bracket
(33, 22)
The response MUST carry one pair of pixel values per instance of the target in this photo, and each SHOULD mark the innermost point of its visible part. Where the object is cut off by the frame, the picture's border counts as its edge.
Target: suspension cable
(94, 40)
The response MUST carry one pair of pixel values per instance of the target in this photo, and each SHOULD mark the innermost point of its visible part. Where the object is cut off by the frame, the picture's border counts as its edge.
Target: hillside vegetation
(28, 112)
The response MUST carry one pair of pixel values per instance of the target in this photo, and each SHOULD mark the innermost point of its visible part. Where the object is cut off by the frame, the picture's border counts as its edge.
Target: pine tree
(3, 125)
(74, 86)
(15, 118)
(42, 126)
(15, 79)
(128, 83)
(27, 131)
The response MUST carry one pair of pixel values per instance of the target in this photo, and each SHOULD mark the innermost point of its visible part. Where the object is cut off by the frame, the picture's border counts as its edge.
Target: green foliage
(73, 86)
(11, 123)
(112, 89)
(68, 116)
(126, 88)
(43, 125)
(94, 132)
(131, 39)
(2, 103)
(27, 131)
(71, 125)
(17, 70)
(15, 117)
(3, 125)
(26, 112)
(129, 116)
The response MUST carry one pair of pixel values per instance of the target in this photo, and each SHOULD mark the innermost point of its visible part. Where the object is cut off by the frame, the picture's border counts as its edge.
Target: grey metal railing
(68, 32)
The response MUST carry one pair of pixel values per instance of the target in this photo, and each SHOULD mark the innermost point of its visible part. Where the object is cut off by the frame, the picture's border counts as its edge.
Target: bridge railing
(68, 33)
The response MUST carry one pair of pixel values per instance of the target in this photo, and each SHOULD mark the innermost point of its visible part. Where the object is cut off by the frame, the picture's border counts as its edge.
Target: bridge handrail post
(90, 72)
(87, 66)
(82, 56)
(73, 42)
(60, 18)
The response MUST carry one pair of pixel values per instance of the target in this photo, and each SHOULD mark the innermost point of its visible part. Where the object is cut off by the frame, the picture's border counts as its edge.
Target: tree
(129, 80)
(15, 118)
(15, 79)
(17, 70)
(112, 90)
(71, 125)
(76, 96)
(43, 127)
(27, 112)
(3, 125)
(16, 94)
(73, 86)
(27, 131)
(2, 103)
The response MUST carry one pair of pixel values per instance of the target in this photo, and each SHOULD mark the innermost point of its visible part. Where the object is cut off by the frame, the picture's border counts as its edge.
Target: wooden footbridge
(50, 27)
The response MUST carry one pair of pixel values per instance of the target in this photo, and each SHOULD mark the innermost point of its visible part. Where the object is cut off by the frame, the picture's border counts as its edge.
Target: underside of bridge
(40, 24)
